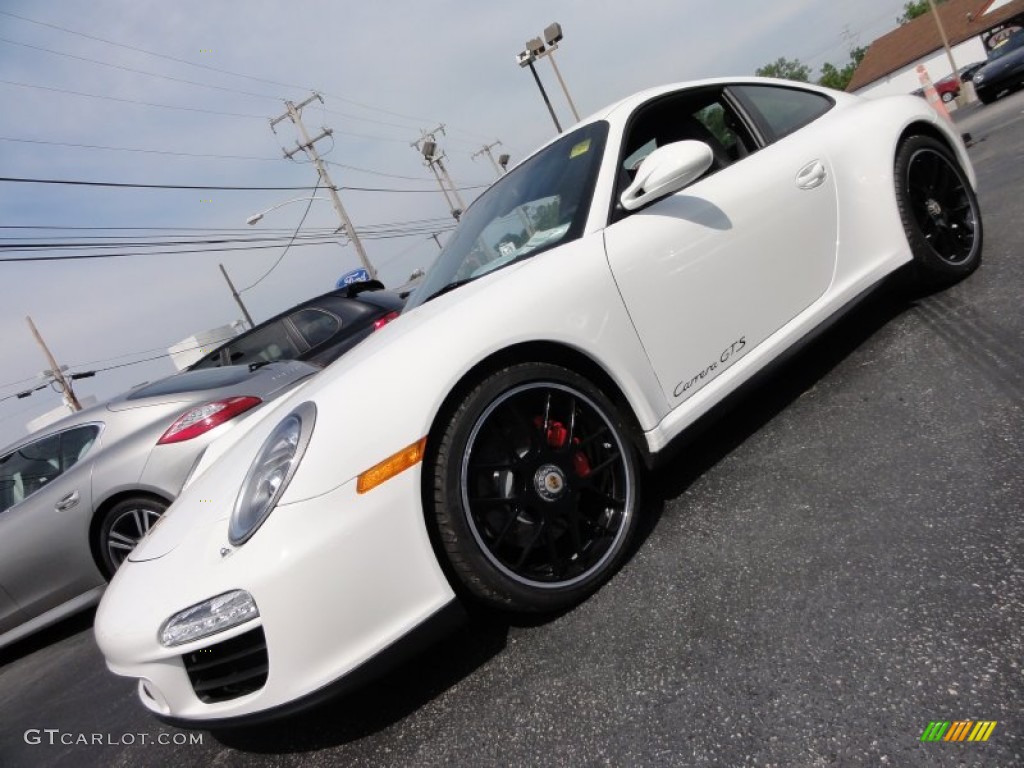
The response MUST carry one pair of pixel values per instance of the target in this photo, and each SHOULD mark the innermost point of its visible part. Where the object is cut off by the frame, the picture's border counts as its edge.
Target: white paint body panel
(651, 300)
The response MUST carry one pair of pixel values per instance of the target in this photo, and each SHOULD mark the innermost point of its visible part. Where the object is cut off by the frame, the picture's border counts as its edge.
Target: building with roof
(973, 27)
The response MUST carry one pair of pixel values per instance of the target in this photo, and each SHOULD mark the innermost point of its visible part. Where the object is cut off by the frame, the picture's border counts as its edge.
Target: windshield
(540, 204)
(1016, 40)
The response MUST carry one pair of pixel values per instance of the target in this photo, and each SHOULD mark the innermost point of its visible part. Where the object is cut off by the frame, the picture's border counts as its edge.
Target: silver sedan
(76, 497)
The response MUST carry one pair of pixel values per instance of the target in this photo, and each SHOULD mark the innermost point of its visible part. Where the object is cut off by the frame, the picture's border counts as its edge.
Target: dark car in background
(1004, 70)
(77, 496)
(318, 331)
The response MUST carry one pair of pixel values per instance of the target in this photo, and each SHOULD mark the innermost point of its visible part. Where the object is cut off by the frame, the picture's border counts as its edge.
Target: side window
(701, 115)
(785, 109)
(315, 325)
(26, 470)
(76, 443)
(264, 345)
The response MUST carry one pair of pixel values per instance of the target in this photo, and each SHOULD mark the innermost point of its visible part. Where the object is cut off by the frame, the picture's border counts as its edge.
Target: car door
(710, 272)
(44, 533)
(10, 615)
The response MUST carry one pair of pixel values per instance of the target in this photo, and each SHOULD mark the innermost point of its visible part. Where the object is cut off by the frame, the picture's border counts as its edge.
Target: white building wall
(937, 64)
(188, 351)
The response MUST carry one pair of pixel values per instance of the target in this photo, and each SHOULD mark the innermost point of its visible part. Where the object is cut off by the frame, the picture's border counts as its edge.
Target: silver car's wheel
(537, 488)
(123, 525)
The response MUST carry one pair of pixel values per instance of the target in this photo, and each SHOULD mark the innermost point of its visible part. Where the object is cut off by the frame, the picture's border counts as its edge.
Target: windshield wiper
(449, 287)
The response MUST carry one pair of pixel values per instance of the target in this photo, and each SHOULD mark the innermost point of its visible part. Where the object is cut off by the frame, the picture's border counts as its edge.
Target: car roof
(628, 104)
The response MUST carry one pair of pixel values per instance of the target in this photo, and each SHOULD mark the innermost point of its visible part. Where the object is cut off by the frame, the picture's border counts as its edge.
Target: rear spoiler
(354, 289)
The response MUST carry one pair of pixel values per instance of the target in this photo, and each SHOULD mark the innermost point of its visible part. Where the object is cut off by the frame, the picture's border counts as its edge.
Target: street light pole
(526, 59)
(552, 36)
(257, 217)
(945, 44)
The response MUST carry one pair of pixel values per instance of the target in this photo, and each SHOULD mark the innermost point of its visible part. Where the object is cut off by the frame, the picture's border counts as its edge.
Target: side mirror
(666, 170)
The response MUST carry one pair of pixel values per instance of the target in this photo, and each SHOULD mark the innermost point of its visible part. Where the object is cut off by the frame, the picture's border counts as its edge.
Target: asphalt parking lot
(834, 562)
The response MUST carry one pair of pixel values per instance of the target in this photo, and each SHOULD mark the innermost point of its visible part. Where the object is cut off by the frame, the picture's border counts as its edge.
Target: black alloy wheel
(939, 210)
(535, 489)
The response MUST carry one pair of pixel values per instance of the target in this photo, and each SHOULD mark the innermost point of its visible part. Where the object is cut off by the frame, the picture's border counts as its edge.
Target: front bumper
(338, 579)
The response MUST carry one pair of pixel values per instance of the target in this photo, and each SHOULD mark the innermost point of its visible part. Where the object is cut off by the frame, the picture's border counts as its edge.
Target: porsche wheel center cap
(549, 482)
(933, 207)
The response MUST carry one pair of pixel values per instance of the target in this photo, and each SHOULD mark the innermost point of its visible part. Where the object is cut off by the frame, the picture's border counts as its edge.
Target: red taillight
(203, 418)
(380, 322)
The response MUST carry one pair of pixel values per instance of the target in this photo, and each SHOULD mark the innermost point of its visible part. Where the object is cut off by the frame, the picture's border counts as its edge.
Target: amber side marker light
(394, 464)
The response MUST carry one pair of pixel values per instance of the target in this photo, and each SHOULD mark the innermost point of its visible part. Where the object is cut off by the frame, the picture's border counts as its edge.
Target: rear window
(315, 325)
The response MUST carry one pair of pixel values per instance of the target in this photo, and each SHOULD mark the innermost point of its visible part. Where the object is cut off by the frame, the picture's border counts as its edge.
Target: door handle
(811, 175)
(68, 501)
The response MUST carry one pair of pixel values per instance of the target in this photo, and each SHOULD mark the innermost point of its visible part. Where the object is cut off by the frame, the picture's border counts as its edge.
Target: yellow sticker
(580, 148)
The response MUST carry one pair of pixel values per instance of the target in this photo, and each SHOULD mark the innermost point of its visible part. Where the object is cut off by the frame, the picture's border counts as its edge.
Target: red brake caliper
(556, 436)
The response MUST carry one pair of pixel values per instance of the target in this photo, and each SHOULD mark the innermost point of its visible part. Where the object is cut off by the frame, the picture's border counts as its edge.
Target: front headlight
(978, 77)
(208, 618)
(271, 472)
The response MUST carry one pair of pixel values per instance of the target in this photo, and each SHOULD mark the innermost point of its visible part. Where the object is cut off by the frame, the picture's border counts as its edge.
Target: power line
(81, 256)
(206, 230)
(203, 155)
(207, 67)
(73, 182)
(374, 235)
(137, 149)
(295, 234)
(136, 71)
(129, 101)
(16, 179)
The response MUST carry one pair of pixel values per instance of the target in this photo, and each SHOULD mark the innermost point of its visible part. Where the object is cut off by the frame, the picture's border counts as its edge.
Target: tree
(834, 77)
(831, 75)
(786, 69)
(914, 8)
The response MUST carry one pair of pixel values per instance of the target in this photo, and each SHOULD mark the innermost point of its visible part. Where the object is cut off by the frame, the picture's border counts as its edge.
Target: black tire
(535, 488)
(939, 211)
(122, 526)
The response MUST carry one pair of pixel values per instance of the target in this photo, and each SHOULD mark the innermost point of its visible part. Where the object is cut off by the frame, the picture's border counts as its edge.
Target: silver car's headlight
(271, 472)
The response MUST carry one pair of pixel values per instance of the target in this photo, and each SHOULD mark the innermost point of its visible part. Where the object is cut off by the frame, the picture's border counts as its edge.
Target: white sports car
(488, 444)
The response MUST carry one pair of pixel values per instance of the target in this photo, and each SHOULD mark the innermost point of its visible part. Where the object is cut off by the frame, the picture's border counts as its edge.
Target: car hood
(1000, 66)
(383, 395)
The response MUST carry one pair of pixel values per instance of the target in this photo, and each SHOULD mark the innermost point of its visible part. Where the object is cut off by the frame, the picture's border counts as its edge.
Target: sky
(148, 92)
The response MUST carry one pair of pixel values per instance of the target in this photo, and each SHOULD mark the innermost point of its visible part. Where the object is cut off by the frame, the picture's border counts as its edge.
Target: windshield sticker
(580, 149)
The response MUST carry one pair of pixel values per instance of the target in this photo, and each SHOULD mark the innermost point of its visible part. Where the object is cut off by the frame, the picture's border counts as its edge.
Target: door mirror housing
(666, 170)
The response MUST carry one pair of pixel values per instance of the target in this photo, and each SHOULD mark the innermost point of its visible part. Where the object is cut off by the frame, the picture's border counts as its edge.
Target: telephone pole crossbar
(433, 158)
(294, 113)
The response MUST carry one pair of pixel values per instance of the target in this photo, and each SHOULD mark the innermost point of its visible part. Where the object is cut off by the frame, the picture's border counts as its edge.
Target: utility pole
(945, 43)
(307, 146)
(433, 158)
(238, 299)
(486, 150)
(55, 371)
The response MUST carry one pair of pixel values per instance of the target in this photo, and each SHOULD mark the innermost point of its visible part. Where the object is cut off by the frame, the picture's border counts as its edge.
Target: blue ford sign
(355, 276)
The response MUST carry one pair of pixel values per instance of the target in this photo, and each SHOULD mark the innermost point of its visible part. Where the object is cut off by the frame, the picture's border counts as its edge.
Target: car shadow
(716, 434)
(380, 702)
(51, 635)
